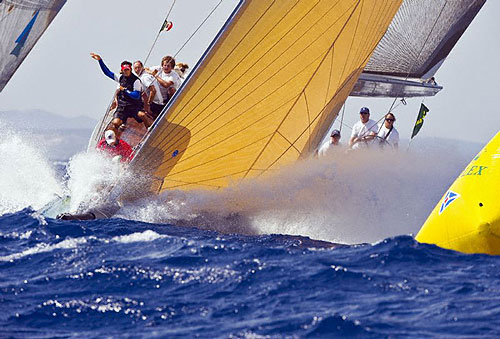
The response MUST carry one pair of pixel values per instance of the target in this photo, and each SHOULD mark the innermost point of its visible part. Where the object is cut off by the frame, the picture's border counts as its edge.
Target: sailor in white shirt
(363, 131)
(150, 87)
(330, 145)
(388, 134)
(168, 82)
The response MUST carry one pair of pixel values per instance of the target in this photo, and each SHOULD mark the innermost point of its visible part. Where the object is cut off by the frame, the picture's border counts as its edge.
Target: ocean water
(325, 249)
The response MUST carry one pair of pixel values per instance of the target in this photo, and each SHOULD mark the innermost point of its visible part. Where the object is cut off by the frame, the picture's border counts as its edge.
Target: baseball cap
(110, 137)
(364, 110)
(335, 132)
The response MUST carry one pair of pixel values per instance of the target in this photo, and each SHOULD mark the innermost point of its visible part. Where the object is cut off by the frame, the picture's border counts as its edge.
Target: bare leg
(145, 118)
(116, 124)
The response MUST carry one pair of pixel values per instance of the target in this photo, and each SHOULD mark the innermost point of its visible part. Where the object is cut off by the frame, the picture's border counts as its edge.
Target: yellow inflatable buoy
(467, 218)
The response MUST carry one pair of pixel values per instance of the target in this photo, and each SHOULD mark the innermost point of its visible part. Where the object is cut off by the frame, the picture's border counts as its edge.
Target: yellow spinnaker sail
(266, 92)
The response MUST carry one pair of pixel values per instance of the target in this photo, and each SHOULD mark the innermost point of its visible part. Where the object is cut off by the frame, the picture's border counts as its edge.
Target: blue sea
(325, 249)
(120, 278)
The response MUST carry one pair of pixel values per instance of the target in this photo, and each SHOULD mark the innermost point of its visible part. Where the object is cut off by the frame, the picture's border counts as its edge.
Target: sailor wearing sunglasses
(388, 134)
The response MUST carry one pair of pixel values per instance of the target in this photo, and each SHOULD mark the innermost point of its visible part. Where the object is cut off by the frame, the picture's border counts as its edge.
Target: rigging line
(158, 34)
(364, 61)
(203, 22)
(293, 144)
(245, 85)
(355, 8)
(216, 70)
(425, 42)
(262, 84)
(420, 52)
(342, 118)
(379, 19)
(344, 67)
(332, 46)
(317, 116)
(241, 100)
(203, 182)
(239, 42)
(308, 120)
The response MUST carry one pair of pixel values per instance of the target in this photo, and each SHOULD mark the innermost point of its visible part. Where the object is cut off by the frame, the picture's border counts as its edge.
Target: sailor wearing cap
(364, 130)
(115, 147)
(329, 145)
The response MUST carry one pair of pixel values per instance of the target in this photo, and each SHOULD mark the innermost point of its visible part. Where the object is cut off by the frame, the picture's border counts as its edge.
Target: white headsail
(22, 23)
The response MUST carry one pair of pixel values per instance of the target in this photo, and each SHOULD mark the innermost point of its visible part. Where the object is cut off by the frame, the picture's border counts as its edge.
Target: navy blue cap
(364, 110)
(335, 132)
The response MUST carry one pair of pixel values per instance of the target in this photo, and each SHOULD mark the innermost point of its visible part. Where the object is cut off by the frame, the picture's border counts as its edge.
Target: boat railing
(132, 134)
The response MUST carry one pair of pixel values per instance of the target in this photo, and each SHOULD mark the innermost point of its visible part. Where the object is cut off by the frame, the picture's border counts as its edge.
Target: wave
(27, 176)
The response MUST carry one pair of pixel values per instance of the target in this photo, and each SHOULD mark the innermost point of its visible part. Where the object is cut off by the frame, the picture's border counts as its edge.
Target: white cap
(110, 136)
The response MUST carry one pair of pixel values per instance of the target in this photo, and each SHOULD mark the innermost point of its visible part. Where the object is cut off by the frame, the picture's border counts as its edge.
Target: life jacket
(123, 99)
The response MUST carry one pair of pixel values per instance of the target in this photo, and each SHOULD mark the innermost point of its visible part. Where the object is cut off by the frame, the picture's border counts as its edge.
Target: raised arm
(104, 68)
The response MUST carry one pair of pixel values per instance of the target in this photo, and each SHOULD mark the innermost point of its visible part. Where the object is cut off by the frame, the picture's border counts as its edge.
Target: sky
(59, 76)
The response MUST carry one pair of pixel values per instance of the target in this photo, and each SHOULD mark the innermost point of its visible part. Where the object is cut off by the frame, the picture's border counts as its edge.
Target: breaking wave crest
(28, 178)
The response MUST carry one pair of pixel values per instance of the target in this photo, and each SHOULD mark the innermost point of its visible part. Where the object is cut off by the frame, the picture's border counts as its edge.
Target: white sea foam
(70, 243)
(348, 198)
(43, 248)
(27, 178)
(17, 235)
(146, 236)
(90, 176)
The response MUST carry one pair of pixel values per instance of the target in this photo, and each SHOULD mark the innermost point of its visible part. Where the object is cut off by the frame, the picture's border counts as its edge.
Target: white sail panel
(22, 23)
(421, 36)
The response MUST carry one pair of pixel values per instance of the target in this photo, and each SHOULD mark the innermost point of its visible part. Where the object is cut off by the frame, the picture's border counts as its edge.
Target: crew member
(129, 94)
(150, 87)
(330, 144)
(115, 147)
(169, 82)
(388, 134)
(364, 130)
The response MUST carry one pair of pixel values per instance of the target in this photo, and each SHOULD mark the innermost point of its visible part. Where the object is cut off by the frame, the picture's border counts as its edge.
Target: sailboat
(274, 79)
(228, 122)
(22, 23)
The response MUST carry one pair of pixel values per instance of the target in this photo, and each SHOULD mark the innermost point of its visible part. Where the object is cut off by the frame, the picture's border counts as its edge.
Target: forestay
(22, 23)
(265, 92)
